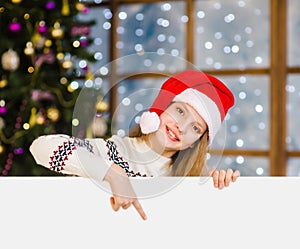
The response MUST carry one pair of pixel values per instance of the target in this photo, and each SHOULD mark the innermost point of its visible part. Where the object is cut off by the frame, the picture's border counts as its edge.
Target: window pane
(293, 167)
(100, 35)
(247, 124)
(134, 97)
(248, 166)
(293, 112)
(152, 28)
(232, 34)
(293, 33)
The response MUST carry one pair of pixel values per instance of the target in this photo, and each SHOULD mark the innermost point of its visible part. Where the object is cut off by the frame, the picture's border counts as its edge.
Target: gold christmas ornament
(70, 89)
(65, 11)
(26, 16)
(16, 1)
(32, 119)
(3, 83)
(35, 118)
(40, 120)
(53, 114)
(67, 63)
(60, 56)
(38, 40)
(29, 50)
(79, 6)
(10, 60)
(101, 106)
(48, 43)
(57, 31)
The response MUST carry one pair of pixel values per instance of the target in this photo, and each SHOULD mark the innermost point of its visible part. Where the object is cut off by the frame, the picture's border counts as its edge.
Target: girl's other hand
(222, 178)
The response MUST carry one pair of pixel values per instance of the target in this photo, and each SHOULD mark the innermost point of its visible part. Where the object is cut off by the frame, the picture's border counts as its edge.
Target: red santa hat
(206, 94)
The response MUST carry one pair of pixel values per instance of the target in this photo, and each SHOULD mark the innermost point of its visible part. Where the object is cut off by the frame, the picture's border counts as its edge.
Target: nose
(182, 127)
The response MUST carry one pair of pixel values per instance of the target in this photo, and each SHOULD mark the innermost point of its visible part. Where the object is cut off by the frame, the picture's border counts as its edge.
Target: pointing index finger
(139, 208)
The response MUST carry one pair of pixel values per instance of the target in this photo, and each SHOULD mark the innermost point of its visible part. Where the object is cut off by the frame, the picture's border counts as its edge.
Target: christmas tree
(40, 42)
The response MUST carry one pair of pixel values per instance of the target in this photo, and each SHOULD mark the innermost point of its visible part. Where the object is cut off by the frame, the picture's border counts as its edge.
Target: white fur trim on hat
(149, 122)
(206, 108)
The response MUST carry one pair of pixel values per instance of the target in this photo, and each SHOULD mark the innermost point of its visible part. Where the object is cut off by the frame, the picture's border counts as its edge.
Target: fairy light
(200, 14)
(126, 101)
(74, 85)
(76, 44)
(103, 70)
(26, 126)
(75, 122)
(166, 7)
(30, 69)
(259, 171)
(122, 15)
(139, 17)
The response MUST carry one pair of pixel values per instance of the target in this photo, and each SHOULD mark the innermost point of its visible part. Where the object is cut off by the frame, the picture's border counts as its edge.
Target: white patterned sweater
(92, 157)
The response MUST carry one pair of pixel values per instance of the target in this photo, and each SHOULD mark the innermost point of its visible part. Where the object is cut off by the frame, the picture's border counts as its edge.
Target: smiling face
(180, 127)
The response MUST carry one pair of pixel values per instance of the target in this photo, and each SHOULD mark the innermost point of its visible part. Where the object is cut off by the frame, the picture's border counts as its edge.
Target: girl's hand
(123, 193)
(222, 178)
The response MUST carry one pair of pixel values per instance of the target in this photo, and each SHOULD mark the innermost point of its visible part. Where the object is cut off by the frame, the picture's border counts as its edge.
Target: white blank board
(72, 212)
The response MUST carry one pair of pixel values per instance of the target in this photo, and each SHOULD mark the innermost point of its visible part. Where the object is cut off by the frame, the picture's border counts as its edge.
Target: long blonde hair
(188, 162)
(192, 161)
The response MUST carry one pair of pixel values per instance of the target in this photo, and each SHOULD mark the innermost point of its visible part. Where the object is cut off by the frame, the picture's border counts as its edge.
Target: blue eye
(196, 129)
(179, 110)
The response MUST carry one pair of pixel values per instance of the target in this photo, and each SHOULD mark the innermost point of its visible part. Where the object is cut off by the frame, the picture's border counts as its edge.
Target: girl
(171, 140)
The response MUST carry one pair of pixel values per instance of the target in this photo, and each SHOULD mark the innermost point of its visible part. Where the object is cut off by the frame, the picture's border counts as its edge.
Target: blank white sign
(73, 212)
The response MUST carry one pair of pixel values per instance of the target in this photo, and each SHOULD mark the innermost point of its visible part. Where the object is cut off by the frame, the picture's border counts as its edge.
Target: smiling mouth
(172, 135)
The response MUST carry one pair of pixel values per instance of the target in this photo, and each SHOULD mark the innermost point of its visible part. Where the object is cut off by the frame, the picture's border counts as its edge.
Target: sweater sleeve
(71, 156)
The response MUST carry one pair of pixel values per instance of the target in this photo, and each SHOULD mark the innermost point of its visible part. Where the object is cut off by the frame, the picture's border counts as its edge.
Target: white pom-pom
(149, 122)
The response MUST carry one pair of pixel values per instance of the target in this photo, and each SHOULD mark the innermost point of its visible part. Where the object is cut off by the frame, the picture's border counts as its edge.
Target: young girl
(171, 140)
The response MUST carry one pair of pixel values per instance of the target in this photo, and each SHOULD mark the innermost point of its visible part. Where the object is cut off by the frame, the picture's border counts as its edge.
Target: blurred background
(56, 52)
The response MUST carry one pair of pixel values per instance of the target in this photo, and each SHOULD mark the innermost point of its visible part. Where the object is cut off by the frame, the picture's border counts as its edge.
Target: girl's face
(180, 126)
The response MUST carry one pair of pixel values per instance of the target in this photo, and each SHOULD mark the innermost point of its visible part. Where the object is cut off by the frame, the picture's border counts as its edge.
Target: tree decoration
(10, 60)
(53, 114)
(57, 31)
(50, 5)
(3, 82)
(67, 62)
(29, 50)
(80, 7)
(65, 11)
(42, 28)
(102, 106)
(38, 40)
(3, 108)
(15, 27)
